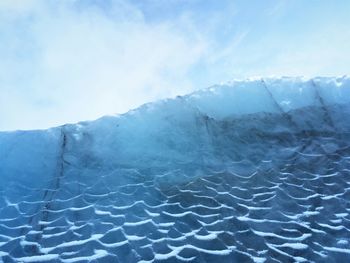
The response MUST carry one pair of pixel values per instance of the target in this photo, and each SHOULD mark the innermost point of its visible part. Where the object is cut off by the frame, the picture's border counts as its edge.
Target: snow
(71, 243)
(267, 234)
(210, 236)
(336, 249)
(41, 258)
(293, 245)
(98, 253)
(138, 223)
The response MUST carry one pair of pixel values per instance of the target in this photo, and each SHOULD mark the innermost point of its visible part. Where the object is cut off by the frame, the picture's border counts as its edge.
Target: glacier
(249, 171)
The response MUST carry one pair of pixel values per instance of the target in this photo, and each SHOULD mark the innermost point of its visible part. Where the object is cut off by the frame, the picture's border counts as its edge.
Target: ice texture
(249, 171)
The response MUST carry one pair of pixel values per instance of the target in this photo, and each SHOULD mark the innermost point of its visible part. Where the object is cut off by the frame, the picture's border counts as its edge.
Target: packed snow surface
(250, 171)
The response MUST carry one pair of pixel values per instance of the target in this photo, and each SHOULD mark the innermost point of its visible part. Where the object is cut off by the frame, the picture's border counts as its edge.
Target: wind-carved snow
(251, 171)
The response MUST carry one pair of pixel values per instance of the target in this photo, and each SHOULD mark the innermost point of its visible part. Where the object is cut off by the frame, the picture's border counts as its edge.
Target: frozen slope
(251, 171)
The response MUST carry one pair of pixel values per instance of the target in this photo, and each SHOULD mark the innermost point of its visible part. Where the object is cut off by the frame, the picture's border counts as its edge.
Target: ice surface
(250, 171)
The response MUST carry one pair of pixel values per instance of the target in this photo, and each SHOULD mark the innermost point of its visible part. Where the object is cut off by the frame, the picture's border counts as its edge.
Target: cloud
(66, 62)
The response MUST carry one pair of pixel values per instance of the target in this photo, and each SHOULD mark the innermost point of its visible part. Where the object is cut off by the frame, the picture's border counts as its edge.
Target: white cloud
(72, 60)
(18, 6)
(66, 63)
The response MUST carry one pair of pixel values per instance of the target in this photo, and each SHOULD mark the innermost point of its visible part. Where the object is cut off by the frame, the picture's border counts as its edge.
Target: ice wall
(185, 130)
(250, 171)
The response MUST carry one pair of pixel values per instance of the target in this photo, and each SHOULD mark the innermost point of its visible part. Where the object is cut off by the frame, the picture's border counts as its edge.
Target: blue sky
(66, 61)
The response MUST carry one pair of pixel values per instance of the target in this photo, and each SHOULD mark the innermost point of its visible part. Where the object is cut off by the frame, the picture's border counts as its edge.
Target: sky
(64, 61)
